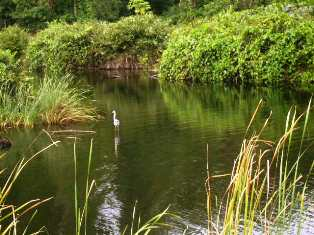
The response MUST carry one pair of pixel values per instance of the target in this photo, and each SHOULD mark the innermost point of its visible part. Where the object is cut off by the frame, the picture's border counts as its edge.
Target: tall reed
(82, 213)
(11, 215)
(253, 200)
(151, 225)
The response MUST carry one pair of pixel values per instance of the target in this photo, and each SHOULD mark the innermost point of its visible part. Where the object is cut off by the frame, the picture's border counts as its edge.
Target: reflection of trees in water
(224, 110)
(50, 174)
(166, 166)
(161, 151)
(230, 108)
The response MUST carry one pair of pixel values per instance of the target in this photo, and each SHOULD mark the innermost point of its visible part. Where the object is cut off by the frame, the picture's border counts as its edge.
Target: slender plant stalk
(251, 198)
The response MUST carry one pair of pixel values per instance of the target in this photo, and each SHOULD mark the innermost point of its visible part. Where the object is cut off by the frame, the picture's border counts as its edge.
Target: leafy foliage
(205, 9)
(138, 36)
(101, 10)
(62, 46)
(8, 66)
(35, 14)
(261, 46)
(140, 7)
(15, 39)
(32, 13)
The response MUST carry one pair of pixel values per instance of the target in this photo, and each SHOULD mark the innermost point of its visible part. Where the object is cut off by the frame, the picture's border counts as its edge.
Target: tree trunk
(75, 8)
(194, 3)
(51, 4)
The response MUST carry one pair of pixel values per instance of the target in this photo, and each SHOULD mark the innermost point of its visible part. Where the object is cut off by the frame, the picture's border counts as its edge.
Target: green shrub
(15, 39)
(140, 7)
(64, 47)
(261, 46)
(139, 36)
(59, 47)
(9, 67)
(185, 14)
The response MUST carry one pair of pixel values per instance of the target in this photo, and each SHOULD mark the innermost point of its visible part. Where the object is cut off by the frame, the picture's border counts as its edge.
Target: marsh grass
(152, 224)
(53, 101)
(253, 200)
(16, 108)
(11, 215)
(81, 213)
(64, 104)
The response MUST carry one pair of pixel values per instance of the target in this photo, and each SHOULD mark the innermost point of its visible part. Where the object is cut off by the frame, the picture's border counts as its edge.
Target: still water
(157, 159)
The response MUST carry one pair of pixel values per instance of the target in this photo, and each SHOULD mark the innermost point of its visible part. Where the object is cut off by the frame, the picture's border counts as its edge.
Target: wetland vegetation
(234, 53)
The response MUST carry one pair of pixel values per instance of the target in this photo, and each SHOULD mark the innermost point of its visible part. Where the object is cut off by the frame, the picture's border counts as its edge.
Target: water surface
(158, 158)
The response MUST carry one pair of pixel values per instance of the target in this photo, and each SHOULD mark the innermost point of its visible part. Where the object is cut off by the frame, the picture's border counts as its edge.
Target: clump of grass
(54, 101)
(10, 215)
(64, 103)
(16, 107)
(251, 198)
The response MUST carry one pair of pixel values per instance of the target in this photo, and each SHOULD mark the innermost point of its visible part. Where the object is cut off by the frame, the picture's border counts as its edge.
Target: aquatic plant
(253, 199)
(264, 46)
(54, 101)
(151, 225)
(64, 104)
(17, 107)
(11, 215)
(81, 214)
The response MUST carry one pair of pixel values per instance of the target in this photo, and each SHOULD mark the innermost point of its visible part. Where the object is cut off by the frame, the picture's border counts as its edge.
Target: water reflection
(116, 145)
(157, 158)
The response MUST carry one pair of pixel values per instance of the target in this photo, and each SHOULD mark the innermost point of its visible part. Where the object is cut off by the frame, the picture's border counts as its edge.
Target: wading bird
(116, 122)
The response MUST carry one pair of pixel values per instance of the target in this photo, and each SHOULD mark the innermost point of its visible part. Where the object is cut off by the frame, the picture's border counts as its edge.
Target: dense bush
(9, 67)
(15, 39)
(184, 14)
(263, 46)
(13, 42)
(62, 47)
(59, 47)
(140, 36)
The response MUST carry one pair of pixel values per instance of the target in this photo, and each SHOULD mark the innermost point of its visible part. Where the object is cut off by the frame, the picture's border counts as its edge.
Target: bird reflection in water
(116, 145)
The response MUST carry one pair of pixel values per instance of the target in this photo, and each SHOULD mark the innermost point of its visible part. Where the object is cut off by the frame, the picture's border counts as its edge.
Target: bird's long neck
(114, 116)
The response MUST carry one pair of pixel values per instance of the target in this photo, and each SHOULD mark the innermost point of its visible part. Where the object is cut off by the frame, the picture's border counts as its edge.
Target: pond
(158, 157)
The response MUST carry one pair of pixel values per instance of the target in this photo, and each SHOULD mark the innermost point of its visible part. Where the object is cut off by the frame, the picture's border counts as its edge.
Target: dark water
(157, 159)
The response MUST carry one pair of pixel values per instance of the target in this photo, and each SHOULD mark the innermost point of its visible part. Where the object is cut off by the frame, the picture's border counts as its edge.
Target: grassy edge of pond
(251, 198)
(53, 101)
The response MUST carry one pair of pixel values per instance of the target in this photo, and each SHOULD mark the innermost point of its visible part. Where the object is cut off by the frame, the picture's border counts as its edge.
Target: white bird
(116, 122)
